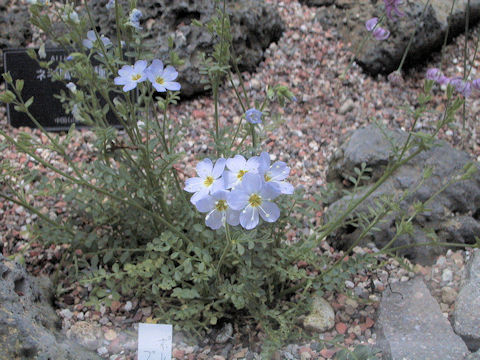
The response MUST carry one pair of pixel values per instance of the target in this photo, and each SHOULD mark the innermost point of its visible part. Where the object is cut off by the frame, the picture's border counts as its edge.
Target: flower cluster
(378, 32)
(160, 77)
(464, 87)
(239, 191)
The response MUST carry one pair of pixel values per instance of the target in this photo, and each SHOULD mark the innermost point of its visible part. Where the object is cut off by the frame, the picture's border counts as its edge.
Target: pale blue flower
(253, 116)
(237, 168)
(391, 9)
(72, 87)
(110, 5)
(130, 75)
(254, 199)
(91, 40)
(162, 79)
(134, 19)
(209, 179)
(218, 210)
(274, 175)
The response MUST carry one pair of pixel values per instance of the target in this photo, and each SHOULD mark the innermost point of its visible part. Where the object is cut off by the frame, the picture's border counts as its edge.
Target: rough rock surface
(466, 317)
(410, 325)
(29, 327)
(15, 29)
(452, 215)
(322, 316)
(254, 26)
(385, 56)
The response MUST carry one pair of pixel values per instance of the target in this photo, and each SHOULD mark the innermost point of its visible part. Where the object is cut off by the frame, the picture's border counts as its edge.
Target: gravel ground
(309, 58)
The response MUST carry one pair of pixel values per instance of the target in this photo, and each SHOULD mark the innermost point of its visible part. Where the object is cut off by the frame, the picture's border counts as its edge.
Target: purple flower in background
(378, 32)
(253, 116)
(130, 75)
(462, 86)
(476, 84)
(391, 9)
(433, 74)
(110, 5)
(162, 79)
(370, 24)
(381, 33)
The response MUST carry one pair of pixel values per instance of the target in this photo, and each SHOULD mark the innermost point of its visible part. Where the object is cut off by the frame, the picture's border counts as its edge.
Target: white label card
(154, 342)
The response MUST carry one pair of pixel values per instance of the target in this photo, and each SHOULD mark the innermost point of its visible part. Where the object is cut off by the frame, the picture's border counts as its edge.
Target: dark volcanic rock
(466, 317)
(29, 327)
(410, 325)
(452, 215)
(254, 25)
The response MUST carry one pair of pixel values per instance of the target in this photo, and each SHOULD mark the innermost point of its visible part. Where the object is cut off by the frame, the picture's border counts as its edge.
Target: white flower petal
(220, 195)
(285, 187)
(158, 87)
(252, 183)
(120, 80)
(205, 204)
(263, 162)
(204, 168)
(198, 196)
(214, 220)
(252, 164)
(172, 86)
(194, 184)
(230, 179)
(236, 163)
(233, 217)
(217, 185)
(249, 218)
(279, 171)
(269, 211)
(140, 66)
(218, 168)
(270, 192)
(237, 200)
(129, 86)
(170, 74)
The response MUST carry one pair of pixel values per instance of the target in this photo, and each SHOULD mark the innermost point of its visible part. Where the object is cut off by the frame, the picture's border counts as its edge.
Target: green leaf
(19, 85)
(7, 97)
(29, 102)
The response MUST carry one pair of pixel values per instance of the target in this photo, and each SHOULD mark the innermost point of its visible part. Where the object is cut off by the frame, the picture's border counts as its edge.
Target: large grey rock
(466, 317)
(29, 326)
(322, 316)
(254, 25)
(385, 56)
(452, 215)
(411, 326)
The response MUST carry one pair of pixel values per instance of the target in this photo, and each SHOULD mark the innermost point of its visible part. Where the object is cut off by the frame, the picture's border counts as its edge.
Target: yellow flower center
(241, 173)
(221, 205)
(208, 181)
(255, 200)
(160, 80)
(267, 177)
(136, 77)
